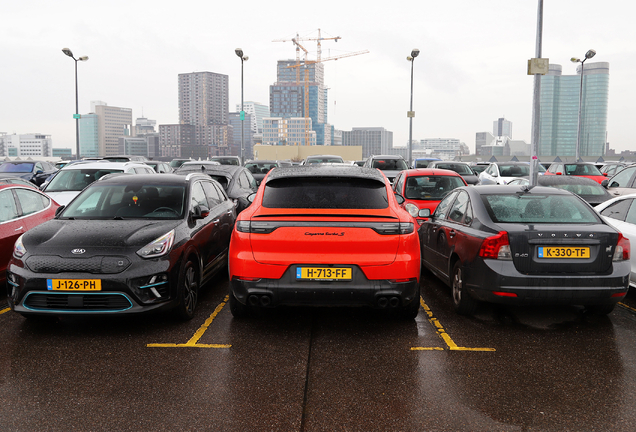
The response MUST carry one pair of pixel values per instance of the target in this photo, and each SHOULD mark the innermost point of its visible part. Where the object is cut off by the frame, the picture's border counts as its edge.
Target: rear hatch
(325, 238)
(586, 249)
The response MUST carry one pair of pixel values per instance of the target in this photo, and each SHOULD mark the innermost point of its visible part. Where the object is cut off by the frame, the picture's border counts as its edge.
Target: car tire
(462, 301)
(605, 309)
(238, 309)
(187, 291)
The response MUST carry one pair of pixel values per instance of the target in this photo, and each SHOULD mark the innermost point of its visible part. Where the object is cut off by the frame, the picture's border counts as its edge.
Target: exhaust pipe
(265, 301)
(253, 300)
(394, 302)
(383, 302)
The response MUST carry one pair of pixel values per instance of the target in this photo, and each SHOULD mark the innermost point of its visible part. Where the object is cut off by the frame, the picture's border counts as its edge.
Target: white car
(72, 179)
(503, 172)
(620, 212)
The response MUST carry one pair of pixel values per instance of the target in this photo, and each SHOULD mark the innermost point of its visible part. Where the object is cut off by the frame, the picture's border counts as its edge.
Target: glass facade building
(560, 108)
(89, 135)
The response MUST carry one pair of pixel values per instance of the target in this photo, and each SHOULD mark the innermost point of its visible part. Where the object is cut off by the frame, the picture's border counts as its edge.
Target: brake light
(496, 247)
(621, 253)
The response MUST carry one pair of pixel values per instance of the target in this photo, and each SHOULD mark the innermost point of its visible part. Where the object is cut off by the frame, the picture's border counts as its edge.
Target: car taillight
(496, 247)
(621, 253)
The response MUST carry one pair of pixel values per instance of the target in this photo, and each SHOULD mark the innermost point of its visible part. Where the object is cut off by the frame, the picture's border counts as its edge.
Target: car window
(581, 189)
(535, 208)
(8, 209)
(389, 164)
(221, 192)
(468, 217)
(458, 209)
(458, 168)
(442, 207)
(398, 184)
(618, 210)
(77, 179)
(197, 196)
(31, 201)
(251, 179)
(622, 179)
(214, 199)
(492, 170)
(325, 193)
(244, 182)
(510, 170)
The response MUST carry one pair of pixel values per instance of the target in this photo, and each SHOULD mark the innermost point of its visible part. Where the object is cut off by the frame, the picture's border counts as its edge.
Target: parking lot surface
(314, 369)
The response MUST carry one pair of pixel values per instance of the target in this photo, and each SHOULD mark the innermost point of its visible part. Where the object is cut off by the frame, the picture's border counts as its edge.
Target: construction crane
(307, 62)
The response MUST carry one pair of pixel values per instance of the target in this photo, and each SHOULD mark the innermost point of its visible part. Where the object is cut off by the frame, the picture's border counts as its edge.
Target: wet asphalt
(327, 369)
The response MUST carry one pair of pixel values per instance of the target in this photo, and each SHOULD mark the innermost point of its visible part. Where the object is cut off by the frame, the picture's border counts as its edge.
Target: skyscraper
(502, 127)
(559, 111)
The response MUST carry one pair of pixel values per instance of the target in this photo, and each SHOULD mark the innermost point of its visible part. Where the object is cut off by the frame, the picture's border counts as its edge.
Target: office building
(101, 129)
(258, 111)
(89, 135)
(502, 127)
(373, 140)
(144, 126)
(443, 148)
(560, 107)
(248, 135)
(26, 145)
(482, 139)
(172, 137)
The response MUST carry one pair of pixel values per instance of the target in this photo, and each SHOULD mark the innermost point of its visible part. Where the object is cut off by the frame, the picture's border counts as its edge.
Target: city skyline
(471, 70)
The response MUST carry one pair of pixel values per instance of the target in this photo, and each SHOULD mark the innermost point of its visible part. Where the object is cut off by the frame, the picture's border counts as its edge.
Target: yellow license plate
(323, 273)
(74, 284)
(563, 252)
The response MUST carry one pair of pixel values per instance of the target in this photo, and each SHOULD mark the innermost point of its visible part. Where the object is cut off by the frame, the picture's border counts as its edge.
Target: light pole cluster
(414, 53)
(239, 52)
(69, 53)
(588, 55)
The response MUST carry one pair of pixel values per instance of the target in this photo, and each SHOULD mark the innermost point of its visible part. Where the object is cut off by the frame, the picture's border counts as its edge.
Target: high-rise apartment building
(287, 131)
(502, 127)
(204, 104)
(560, 106)
(174, 137)
(373, 140)
(287, 97)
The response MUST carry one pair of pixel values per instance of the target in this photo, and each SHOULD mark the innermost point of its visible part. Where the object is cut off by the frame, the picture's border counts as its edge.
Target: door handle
(215, 221)
(18, 229)
(452, 233)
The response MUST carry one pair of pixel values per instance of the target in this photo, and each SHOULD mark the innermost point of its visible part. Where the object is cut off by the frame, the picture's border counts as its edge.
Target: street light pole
(414, 53)
(69, 53)
(588, 55)
(239, 52)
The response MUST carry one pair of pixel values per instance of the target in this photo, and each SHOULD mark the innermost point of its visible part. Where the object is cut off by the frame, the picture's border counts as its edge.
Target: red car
(579, 169)
(325, 236)
(21, 208)
(424, 188)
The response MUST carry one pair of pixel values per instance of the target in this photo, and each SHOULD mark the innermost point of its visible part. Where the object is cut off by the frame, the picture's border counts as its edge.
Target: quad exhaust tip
(259, 300)
(393, 302)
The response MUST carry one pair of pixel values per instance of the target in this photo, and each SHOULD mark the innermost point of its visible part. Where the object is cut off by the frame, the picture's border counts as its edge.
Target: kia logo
(78, 251)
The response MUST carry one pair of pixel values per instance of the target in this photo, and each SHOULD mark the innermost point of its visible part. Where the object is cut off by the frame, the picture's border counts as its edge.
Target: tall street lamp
(414, 53)
(69, 53)
(239, 52)
(588, 55)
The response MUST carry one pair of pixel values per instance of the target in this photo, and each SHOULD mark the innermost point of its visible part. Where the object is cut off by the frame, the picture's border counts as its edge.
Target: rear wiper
(118, 218)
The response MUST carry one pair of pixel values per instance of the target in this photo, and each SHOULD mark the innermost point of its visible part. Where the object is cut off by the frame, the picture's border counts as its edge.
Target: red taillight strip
(504, 294)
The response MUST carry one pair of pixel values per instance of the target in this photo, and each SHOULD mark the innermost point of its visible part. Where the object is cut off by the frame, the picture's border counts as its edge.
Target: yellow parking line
(442, 333)
(4, 310)
(627, 307)
(192, 343)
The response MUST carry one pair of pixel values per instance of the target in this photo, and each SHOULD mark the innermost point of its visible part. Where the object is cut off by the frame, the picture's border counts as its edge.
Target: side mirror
(39, 172)
(251, 197)
(605, 174)
(59, 211)
(400, 199)
(424, 213)
(605, 183)
(200, 212)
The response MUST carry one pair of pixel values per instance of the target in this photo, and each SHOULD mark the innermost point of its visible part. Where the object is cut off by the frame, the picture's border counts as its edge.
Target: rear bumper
(360, 291)
(515, 288)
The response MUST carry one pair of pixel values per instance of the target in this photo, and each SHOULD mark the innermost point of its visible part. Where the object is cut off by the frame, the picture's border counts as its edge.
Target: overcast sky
(471, 69)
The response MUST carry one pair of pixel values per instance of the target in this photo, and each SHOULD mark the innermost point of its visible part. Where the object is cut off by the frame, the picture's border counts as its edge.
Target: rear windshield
(423, 163)
(77, 179)
(128, 202)
(260, 167)
(325, 193)
(533, 208)
(226, 161)
(326, 159)
(432, 188)
(578, 189)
